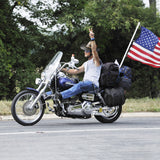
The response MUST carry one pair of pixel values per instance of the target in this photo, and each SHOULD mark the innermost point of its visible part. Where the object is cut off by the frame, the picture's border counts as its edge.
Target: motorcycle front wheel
(109, 115)
(21, 111)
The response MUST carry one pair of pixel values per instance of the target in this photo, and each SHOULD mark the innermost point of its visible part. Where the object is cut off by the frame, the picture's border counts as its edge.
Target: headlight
(37, 81)
(43, 76)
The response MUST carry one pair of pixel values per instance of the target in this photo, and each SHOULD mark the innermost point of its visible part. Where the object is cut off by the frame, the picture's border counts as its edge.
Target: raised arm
(93, 46)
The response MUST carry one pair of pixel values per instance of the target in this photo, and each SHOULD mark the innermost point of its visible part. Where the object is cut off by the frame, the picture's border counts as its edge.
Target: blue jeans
(82, 86)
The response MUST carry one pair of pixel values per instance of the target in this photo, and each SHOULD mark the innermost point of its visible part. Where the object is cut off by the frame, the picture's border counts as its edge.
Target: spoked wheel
(21, 110)
(109, 115)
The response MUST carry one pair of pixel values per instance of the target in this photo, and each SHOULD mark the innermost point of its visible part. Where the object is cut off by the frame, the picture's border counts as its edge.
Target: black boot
(60, 110)
(58, 96)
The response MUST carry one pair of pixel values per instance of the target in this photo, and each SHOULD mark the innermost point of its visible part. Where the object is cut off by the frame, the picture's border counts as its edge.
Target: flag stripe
(142, 56)
(157, 48)
(145, 51)
(142, 61)
(158, 45)
(157, 51)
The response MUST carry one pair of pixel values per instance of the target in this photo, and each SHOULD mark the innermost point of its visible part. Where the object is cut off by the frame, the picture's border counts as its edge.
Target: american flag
(146, 49)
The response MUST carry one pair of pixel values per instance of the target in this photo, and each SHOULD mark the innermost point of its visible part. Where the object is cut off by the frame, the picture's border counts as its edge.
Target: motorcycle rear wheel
(111, 115)
(20, 108)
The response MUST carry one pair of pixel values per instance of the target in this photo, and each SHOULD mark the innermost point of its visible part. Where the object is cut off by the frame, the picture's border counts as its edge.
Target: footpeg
(49, 108)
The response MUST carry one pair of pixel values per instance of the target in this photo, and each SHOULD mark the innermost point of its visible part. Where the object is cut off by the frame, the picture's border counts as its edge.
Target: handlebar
(70, 64)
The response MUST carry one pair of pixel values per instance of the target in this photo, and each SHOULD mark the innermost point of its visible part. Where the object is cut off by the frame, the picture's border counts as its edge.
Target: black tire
(110, 117)
(20, 108)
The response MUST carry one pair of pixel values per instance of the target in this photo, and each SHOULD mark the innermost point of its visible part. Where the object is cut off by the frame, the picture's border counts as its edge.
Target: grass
(142, 105)
(131, 105)
(5, 107)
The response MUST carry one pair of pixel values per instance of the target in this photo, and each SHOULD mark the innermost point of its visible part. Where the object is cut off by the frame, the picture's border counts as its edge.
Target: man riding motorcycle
(91, 69)
(105, 105)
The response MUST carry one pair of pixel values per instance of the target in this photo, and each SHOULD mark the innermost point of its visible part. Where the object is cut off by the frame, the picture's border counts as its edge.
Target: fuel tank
(66, 83)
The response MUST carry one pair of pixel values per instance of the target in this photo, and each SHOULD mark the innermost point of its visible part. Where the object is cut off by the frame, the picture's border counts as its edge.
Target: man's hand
(93, 47)
(91, 33)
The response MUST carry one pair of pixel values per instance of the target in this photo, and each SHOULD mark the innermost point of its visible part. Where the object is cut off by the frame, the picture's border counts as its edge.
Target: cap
(86, 49)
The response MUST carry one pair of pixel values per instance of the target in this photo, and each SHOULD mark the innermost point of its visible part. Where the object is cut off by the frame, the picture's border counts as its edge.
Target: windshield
(52, 66)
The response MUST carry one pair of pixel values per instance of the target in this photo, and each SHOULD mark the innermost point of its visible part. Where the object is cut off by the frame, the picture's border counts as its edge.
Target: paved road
(130, 138)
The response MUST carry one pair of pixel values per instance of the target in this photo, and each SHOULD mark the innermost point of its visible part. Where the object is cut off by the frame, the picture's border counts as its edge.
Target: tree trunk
(153, 5)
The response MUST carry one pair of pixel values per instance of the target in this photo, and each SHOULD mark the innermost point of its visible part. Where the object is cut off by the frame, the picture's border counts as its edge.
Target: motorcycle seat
(94, 91)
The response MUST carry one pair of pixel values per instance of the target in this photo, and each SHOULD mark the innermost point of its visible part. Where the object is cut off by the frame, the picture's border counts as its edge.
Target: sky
(158, 4)
(146, 2)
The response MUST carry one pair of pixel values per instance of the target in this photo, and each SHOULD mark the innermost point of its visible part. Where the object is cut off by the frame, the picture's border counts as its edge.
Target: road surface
(129, 138)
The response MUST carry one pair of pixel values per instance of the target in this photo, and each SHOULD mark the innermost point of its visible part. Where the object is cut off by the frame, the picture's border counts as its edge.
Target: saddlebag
(114, 96)
(125, 77)
(125, 83)
(109, 75)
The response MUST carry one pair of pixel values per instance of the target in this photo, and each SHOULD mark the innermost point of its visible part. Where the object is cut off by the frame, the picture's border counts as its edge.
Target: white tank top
(92, 72)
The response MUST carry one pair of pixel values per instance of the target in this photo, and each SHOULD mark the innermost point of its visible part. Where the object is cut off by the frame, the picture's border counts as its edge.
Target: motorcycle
(29, 105)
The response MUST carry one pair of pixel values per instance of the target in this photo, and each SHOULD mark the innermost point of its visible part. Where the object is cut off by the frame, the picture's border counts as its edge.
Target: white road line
(85, 130)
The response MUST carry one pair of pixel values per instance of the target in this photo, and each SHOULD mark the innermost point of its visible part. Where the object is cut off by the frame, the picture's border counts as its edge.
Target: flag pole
(129, 44)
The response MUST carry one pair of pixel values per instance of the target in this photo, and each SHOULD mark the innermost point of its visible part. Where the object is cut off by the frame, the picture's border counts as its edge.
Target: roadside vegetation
(131, 105)
(142, 105)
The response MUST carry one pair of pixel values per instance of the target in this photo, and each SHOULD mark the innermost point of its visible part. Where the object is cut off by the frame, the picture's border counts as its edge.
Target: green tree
(113, 22)
(16, 67)
(153, 6)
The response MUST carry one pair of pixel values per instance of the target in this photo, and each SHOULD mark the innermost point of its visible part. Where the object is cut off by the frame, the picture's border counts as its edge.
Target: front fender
(32, 89)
